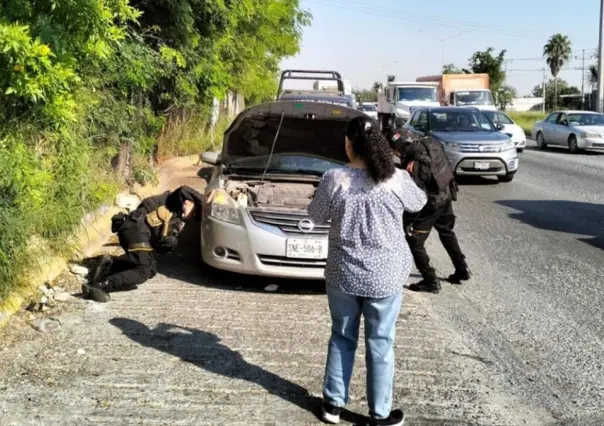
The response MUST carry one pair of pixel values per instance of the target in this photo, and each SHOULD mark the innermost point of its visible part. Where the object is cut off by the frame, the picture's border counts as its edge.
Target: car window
(460, 120)
(422, 119)
(498, 117)
(415, 118)
(562, 119)
(586, 119)
(553, 118)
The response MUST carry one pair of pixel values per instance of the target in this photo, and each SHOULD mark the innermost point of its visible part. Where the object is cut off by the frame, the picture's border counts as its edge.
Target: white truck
(397, 101)
(463, 90)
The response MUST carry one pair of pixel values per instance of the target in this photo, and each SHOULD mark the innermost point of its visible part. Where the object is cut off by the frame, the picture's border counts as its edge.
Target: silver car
(272, 159)
(576, 130)
(473, 145)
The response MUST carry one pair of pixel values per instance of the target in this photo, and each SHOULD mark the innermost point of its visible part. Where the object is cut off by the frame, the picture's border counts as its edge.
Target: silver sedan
(576, 130)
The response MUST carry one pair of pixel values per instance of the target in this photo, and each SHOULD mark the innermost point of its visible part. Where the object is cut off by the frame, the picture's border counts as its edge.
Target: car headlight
(589, 135)
(402, 112)
(452, 146)
(507, 146)
(223, 207)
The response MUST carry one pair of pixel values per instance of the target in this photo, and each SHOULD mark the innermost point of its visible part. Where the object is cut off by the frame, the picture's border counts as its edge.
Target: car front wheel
(507, 178)
(541, 141)
(573, 146)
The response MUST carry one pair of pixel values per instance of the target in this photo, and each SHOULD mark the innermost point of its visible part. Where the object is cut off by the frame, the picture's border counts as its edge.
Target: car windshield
(286, 163)
(368, 108)
(474, 97)
(586, 119)
(462, 120)
(498, 117)
(417, 94)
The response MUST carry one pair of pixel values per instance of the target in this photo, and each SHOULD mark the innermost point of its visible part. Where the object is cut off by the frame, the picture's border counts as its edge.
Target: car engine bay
(255, 193)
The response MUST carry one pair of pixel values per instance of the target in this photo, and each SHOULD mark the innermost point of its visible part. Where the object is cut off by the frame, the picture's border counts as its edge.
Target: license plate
(480, 165)
(306, 248)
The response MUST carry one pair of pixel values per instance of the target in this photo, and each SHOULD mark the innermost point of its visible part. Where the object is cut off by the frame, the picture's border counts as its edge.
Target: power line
(421, 18)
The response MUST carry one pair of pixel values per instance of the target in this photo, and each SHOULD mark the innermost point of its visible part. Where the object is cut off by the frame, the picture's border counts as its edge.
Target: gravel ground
(521, 344)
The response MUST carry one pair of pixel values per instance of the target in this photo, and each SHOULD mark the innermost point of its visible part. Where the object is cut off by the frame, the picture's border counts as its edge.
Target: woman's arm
(414, 199)
(319, 208)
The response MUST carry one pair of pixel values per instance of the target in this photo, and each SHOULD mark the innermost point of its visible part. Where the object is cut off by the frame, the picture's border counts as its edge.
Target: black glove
(117, 221)
(167, 244)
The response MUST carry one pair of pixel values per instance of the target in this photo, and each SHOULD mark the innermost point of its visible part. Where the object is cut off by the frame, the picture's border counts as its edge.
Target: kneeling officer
(153, 226)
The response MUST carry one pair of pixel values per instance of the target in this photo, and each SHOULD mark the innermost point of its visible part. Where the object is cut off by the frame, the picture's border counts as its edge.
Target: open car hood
(309, 128)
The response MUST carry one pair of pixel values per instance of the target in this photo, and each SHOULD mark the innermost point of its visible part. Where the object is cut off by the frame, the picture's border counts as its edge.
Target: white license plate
(480, 165)
(306, 248)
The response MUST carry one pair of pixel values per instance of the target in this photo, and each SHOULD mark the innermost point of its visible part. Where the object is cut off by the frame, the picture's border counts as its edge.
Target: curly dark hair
(369, 144)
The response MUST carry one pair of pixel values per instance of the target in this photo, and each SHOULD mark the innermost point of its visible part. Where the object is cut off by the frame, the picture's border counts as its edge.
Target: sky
(365, 40)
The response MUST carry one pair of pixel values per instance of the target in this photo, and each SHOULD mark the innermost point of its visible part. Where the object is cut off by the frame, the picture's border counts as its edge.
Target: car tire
(541, 144)
(573, 145)
(507, 178)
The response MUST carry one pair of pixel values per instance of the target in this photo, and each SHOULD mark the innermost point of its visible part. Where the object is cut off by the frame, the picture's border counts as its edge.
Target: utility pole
(600, 106)
(583, 82)
(543, 90)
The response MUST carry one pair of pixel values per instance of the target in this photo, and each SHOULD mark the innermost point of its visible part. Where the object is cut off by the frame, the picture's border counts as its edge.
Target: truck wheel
(507, 178)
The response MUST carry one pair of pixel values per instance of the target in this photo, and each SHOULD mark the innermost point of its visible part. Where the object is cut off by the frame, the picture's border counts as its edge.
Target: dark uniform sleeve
(151, 204)
(180, 195)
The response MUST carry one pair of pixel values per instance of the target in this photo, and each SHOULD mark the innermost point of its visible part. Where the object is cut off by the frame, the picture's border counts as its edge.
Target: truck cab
(398, 100)
(477, 98)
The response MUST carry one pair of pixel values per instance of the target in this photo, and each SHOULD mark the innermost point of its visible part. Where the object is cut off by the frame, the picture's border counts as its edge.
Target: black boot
(427, 285)
(99, 291)
(463, 274)
(103, 270)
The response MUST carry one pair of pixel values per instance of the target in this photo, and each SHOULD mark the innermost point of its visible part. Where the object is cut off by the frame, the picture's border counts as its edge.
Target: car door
(547, 127)
(560, 130)
(415, 121)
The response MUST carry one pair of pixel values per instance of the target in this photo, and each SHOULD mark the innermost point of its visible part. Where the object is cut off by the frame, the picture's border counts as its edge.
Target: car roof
(575, 111)
(444, 109)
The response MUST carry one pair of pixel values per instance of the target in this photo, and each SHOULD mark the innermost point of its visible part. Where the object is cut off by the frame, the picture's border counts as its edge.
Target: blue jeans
(380, 324)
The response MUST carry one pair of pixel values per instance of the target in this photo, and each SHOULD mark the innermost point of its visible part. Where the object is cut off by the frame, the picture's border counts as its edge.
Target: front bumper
(253, 249)
(500, 164)
(590, 143)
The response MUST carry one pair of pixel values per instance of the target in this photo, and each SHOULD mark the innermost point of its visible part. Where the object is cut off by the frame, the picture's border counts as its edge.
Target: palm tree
(592, 76)
(557, 53)
(377, 86)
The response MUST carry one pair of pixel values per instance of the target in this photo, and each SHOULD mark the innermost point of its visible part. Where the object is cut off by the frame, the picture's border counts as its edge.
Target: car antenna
(270, 156)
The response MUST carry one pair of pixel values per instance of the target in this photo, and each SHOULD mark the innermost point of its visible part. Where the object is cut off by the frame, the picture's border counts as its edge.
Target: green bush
(526, 119)
(92, 92)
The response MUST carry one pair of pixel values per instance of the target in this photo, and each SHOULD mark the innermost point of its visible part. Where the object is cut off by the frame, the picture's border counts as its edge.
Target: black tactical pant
(138, 264)
(441, 218)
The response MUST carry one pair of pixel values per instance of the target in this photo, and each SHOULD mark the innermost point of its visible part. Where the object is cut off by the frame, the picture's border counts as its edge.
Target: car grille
(287, 221)
(479, 148)
(288, 262)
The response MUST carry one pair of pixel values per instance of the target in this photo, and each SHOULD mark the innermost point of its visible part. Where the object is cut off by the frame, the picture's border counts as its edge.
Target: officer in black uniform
(153, 226)
(427, 164)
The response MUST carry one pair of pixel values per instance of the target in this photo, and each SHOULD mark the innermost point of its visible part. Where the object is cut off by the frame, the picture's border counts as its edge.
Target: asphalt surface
(520, 344)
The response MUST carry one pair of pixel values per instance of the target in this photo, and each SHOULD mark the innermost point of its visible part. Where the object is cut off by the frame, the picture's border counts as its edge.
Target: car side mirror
(500, 127)
(211, 158)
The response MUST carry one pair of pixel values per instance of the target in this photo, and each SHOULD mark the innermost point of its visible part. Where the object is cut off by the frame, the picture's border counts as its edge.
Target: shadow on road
(205, 351)
(564, 151)
(571, 217)
(185, 265)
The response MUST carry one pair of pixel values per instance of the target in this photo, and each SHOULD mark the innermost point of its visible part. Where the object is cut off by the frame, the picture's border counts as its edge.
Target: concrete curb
(94, 231)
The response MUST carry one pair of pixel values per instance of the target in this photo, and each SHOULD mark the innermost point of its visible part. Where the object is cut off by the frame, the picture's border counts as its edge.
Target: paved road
(522, 344)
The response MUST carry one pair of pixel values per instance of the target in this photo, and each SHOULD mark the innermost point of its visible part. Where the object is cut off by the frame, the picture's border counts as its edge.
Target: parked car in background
(369, 109)
(272, 160)
(576, 130)
(473, 145)
(510, 128)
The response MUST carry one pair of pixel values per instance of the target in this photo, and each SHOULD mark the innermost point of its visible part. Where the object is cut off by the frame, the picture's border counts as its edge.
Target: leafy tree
(366, 95)
(563, 88)
(557, 52)
(377, 86)
(486, 63)
(505, 95)
(451, 69)
(592, 76)
(390, 78)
